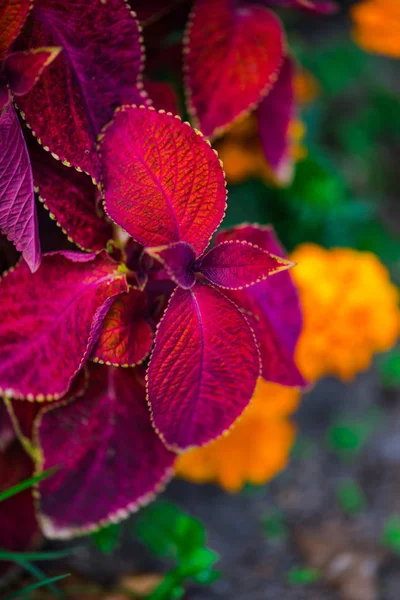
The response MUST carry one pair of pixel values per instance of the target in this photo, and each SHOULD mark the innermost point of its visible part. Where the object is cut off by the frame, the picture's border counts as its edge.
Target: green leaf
(167, 531)
(24, 593)
(31, 556)
(20, 487)
(303, 576)
(207, 576)
(391, 534)
(198, 560)
(389, 368)
(350, 497)
(107, 538)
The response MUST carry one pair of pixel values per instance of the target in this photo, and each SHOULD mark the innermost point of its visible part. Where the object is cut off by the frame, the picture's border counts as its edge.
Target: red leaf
(273, 308)
(49, 321)
(233, 57)
(235, 264)
(274, 116)
(71, 198)
(98, 70)
(111, 460)
(162, 182)
(126, 337)
(203, 369)
(23, 69)
(12, 17)
(176, 259)
(18, 219)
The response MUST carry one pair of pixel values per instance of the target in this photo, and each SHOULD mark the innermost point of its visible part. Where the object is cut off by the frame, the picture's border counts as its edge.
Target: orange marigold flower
(350, 310)
(377, 26)
(254, 450)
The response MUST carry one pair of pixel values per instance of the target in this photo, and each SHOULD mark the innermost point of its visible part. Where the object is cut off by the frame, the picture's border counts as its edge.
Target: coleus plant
(212, 319)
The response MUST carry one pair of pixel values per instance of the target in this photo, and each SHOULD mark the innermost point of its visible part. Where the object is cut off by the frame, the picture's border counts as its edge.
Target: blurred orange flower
(377, 26)
(254, 450)
(350, 310)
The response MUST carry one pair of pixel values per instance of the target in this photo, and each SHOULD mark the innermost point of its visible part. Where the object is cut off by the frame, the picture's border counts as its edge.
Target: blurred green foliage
(303, 576)
(170, 533)
(274, 526)
(106, 539)
(391, 534)
(350, 497)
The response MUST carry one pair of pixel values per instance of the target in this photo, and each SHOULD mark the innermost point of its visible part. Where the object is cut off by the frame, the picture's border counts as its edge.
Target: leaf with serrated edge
(110, 459)
(162, 181)
(126, 337)
(203, 368)
(273, 309)
(236, 264)
(50, 320)
(233, 54)
(70, 197)
(98, 69)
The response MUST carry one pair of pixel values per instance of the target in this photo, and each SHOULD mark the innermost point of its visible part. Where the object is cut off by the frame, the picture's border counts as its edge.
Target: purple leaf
(235, 264)
(176, 259)
(111, 461)
(18, 220)
(98, 70)
(273, 309)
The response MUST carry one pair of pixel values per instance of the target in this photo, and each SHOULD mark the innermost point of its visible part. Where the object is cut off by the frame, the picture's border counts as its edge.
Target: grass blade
(23, 593)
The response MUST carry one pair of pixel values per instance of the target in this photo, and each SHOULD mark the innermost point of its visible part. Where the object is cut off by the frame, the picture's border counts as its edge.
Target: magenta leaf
(50, 321)
(232, 59)
(71, 198)
(273, 309)
(203, 369)
(127, 337)
(177, 259)
(23, 69)
(110, 459)
(274, 116)
(162, 181)
(18, 219)
(98, 70)
(236, 264)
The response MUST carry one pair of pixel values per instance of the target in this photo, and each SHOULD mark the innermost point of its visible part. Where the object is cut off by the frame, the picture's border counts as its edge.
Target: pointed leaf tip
(203, 369)
(237, 264)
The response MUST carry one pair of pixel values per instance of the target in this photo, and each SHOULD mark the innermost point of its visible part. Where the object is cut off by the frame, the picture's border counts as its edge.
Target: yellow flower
(377, 26)
(254, 450)
(350, 310)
